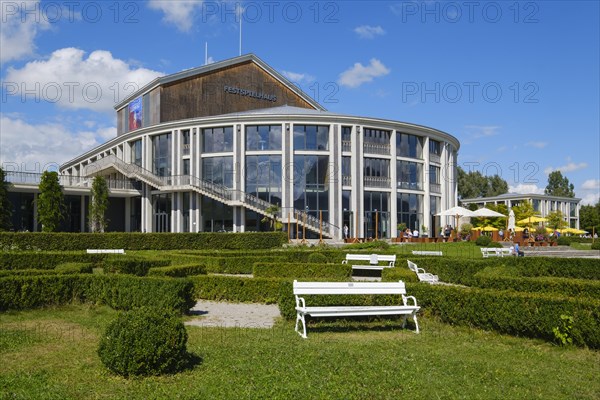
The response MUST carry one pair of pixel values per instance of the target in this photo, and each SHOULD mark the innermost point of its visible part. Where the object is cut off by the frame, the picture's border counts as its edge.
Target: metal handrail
(217, 191)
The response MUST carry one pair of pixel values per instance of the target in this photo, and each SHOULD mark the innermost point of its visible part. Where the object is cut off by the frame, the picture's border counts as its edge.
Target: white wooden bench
(423, 275)
(373, 260)
(427, 253)
(346, 288)
(105, 251)
(495, 252)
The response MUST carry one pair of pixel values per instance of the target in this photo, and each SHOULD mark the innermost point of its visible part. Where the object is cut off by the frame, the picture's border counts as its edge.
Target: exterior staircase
(223, 194)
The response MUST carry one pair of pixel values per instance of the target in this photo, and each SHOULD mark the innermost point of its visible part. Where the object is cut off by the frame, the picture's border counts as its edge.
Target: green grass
(51, 354)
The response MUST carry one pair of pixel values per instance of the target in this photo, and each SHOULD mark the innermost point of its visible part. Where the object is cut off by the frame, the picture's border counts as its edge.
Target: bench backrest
(372, 258)
(412, 266)
(427, 253)
(349, 288)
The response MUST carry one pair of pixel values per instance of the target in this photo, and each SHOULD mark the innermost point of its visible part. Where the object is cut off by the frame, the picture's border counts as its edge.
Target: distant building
(541, 203)
(212, 148)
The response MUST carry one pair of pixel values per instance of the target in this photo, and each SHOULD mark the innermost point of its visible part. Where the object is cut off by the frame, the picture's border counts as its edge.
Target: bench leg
(416, 323)
(403, 321)
(300, 318)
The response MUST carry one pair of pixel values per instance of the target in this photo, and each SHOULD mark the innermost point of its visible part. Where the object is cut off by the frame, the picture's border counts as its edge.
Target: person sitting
(415, 233)
(517, 251)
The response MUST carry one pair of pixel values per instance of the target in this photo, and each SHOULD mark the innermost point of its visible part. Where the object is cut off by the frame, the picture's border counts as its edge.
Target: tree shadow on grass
(192, 360)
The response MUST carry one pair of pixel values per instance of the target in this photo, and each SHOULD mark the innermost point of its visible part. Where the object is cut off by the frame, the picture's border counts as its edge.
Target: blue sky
(516, 82)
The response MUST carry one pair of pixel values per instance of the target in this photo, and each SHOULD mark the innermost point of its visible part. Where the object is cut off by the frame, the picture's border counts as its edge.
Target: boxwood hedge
(303, 271)
(236, 289)
(46, 260)
(121, 292)
(141, 241)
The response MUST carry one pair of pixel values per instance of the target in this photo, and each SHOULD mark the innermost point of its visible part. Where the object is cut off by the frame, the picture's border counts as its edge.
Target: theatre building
(214, 148)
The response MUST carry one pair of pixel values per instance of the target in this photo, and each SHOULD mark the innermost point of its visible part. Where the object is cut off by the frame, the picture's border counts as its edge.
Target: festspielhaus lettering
(250, 93)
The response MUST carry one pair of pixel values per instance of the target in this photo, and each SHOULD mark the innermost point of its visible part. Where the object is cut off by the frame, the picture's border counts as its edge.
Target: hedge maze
(529, 297)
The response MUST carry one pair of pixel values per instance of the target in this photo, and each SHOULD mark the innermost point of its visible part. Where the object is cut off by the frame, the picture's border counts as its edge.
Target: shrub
(398, 274)
(563, 241)
(596, 245)
(74, 268)
(483, 241)
(303, 271)
(317, 258)
(131, 265)
(178, 271)
(236, 289)
(144, 341)
(45, 260)
(376, 244)
(141, 241)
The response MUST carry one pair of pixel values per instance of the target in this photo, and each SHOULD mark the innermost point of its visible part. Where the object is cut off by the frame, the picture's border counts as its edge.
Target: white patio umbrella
(511, 220)
(486, 212)
(456, 212)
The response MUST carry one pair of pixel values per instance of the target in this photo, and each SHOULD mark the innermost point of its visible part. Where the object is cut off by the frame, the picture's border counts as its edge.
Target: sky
(517, 83)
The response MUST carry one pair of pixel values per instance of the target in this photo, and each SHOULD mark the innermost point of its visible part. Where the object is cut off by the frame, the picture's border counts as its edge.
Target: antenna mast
(240, 15)
(205, 53)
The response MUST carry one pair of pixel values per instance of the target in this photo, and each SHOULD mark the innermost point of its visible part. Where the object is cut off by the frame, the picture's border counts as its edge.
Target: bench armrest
(300, 302)
(414, 300)
(344, 261)
(392, 263)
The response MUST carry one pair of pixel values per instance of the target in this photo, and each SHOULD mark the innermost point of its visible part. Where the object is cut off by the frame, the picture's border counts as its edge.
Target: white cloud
(369, 32)
(590, 199)
(591, 184)
(481, 131)
(524, 188)
(537, 145)
(297, 77)
(18, 30)
(72, 81)
(180, 13)
(47, 143)
(359, 74)
(570, 167)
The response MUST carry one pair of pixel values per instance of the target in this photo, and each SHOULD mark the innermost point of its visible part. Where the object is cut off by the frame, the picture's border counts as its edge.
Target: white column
(394, 185)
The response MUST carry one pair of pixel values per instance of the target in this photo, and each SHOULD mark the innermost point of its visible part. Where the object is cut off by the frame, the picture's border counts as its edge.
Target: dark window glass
(218, 170)
(311, 137)
(162, 154)
(263, 137)
(408, 145)
(217, 140)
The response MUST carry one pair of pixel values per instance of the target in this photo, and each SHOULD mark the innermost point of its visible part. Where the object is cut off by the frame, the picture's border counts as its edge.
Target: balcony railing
(434, 158)
(377, 182)
(186, 149)
(346, 180)
(410, 185)
(30, 178)
(435, 188)
(376, 148)
(346, 145)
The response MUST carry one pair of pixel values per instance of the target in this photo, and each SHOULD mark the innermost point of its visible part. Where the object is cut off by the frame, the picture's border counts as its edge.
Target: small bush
(563, 241)
(483, 241)
(317, 258)
(144, 341)
(132, 265)
(178, 271)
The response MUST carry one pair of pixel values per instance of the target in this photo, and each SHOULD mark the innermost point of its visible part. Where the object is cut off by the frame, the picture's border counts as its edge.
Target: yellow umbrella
(518, 229)
(531, 220)
(489, 229)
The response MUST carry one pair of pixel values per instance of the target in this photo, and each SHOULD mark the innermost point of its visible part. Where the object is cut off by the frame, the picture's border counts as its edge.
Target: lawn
(51, 354)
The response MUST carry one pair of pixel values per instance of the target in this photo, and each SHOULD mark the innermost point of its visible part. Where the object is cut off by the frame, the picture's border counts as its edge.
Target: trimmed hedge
(303, 271)
(519, 314)
(236, 289)
(66, 268)
(398, 274)
(45, 260)
(236, 265)
(141, 241)
(132, 265)
(121, 292)
(145, 341)
(560, 286)
(178, 271)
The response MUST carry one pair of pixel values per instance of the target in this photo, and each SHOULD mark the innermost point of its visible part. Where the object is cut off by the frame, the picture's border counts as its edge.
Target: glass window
(136, 152)
(311, 184)
(218, 170)
(409, 145)
(311, 137)
(346, 166)
(435, 147)
(378, 136)
(410, 208)
(376, 167)
(347, 133)
(263, 137)
(263, 177)
(434, 174)
(162, 154)
(409, 175)
(217, 140)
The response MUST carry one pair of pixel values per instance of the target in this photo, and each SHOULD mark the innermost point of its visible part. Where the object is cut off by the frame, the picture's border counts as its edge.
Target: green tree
(589, 217)
(474, 184)
(98, 204)
(558, 185)
(524, 210)
(556, 220)
(6, 208)
(50, 203)
(272, 212)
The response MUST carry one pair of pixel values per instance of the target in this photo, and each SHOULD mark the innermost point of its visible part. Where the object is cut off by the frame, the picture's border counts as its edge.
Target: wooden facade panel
(205, 95)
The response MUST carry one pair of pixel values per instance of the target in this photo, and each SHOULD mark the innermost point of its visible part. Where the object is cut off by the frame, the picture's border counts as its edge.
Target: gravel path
(234, 315)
